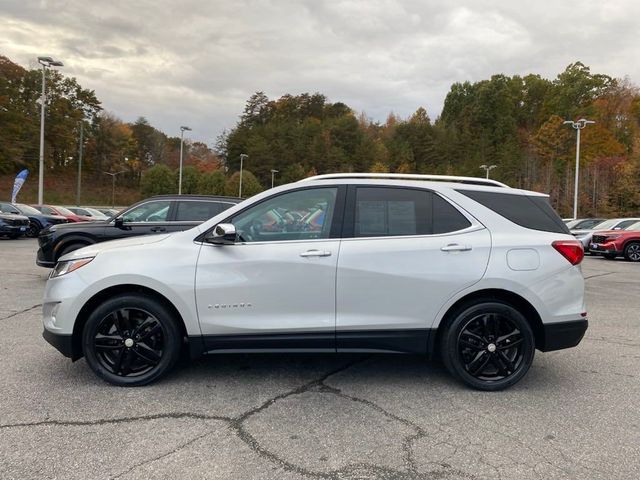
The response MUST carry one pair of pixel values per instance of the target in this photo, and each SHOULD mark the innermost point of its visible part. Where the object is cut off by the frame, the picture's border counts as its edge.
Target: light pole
(113, 187)
(578, 125)
(80, 145)
(273, 173)
(182, 129)
(242, 157)
(45, 62)
(488, 168)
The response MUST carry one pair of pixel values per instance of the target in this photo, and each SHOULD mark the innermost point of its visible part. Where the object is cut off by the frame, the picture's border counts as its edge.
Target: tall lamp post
(273, 174)
(80, 145)
(242, 157)
(113, 187)
(577, 125)
(182, 129)
(488, 168)
(45, 62)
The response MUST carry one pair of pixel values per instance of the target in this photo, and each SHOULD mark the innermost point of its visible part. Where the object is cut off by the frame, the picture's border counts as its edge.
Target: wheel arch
(490, 295)
(67, 240)
(106, 293)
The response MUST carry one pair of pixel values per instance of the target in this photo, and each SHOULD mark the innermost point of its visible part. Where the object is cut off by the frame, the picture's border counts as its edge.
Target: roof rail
(410, 176)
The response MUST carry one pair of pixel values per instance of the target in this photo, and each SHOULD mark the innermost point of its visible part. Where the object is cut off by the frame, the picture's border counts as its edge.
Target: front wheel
(34, 229)
(488, 345)
(632, 252)
(131, 340)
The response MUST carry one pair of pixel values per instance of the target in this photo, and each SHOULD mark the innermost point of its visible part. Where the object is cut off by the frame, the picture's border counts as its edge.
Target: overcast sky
(195, 62)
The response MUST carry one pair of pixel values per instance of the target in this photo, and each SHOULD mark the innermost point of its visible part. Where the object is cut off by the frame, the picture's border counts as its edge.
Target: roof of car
(195, 197)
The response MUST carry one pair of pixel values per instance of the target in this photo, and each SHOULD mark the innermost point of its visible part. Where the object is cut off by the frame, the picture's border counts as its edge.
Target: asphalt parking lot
(575, 415)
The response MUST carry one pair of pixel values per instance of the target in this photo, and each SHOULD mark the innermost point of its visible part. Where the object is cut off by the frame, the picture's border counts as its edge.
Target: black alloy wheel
(489, 346)
(632, 252)
(131, 340)
(34, 229)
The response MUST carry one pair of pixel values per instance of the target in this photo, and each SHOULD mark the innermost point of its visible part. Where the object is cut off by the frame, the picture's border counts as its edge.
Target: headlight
(69, 266)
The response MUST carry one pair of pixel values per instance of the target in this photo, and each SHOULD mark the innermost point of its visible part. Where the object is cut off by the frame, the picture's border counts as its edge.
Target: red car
(616, 243)
(63, 212)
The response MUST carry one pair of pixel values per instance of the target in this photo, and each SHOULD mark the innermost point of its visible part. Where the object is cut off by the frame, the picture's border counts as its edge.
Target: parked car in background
(618, 243)
(13, 225)
(109, 212)
(161, 214)
(63, 212)
(89, 212)
(584, 235)
(37, 220)
(584, 223)
(464, 268)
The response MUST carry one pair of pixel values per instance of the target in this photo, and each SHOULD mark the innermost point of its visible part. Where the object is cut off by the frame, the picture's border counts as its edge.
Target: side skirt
(382, 341)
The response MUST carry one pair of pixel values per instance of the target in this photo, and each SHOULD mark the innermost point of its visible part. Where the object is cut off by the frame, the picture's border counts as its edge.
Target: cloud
(196, 63)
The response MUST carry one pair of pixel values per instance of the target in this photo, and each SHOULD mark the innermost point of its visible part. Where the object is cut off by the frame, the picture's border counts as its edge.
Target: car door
(274, 288)
(410, 250)
(142, 219)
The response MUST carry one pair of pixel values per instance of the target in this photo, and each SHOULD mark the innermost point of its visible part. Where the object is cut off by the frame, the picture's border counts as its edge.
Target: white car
(466, 268)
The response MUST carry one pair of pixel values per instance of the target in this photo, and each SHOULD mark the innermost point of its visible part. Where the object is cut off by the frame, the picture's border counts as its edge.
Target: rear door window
(196, 211)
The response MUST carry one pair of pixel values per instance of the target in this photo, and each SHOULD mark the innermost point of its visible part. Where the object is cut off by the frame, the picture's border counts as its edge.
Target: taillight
(570, 249)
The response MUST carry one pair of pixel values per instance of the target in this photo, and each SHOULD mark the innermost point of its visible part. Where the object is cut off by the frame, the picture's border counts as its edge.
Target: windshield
(96, 213)
(27, 210)
(606, 225)
(64, 211)
(633, 226)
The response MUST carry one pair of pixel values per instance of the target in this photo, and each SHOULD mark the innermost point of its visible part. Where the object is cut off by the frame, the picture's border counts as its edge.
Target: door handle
(455, 247)
(158, 229)
(315, 253)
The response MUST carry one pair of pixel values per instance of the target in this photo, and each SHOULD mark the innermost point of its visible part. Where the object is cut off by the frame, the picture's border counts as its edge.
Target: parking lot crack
(14, 314)
(160, 457)
(113, 421)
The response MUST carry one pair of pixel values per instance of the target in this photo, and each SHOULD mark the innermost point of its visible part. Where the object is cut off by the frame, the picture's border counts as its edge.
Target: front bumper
(563, 334)
(42, 261)
(605, 248)
(63, 343)
(13, 229)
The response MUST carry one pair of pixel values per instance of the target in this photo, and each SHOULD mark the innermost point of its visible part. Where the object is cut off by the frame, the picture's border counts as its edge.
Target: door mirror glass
(222, 234)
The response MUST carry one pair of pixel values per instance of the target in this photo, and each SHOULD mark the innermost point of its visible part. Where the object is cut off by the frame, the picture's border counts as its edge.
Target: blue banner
(17, 184)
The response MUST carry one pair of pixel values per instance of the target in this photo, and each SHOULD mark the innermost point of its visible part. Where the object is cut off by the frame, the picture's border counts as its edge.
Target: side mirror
(119, 222)
(222, 234)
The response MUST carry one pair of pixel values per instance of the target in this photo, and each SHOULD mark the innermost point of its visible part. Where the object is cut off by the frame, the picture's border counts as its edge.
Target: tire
(632, 251)
(34, 229)
(609, 256)
(488, 345)
(131, 340)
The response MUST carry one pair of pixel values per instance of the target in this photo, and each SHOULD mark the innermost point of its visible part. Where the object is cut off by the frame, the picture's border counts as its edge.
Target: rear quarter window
(532, 212)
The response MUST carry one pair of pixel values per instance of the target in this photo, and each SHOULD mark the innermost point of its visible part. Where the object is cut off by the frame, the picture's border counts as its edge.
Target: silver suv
(466, 268)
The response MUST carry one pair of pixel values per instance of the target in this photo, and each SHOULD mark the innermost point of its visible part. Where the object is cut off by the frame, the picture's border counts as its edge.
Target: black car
(161, 214)
(37, 220)
(12, 225)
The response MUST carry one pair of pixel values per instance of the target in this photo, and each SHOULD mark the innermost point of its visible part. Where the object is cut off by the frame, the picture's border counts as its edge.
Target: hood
(13, 216)
(93, 250)
(74, 226)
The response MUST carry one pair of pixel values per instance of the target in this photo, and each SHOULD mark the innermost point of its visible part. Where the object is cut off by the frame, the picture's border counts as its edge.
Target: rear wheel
(488, 345)
(632, 252)
(131, 340)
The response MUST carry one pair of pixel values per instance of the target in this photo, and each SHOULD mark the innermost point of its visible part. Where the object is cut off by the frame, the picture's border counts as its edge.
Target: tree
(158, 180)
(250, 185)
(190, 180)
(212, 183)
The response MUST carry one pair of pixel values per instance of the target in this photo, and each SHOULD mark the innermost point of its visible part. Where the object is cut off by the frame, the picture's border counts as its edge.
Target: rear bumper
(563, 334)
(601, 248)
(62, 343)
